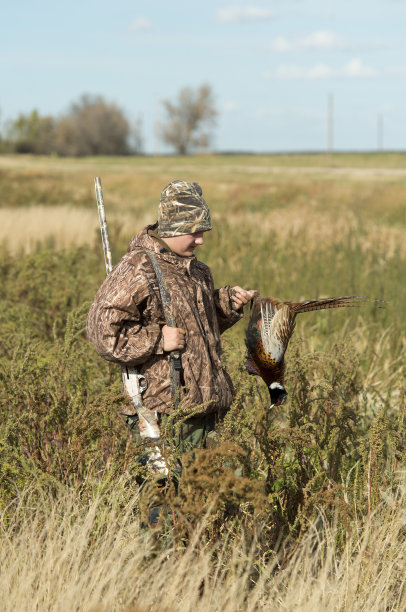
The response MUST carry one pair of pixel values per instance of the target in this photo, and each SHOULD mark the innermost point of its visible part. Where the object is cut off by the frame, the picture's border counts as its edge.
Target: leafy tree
(31, 133)
(2, 141)
(93, 127)
(189, 119)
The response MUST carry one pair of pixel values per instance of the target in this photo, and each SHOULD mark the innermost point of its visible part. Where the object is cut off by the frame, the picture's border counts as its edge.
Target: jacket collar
(148, 239)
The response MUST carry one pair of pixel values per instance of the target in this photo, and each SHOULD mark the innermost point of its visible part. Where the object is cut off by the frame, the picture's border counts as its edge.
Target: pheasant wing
(277, 326)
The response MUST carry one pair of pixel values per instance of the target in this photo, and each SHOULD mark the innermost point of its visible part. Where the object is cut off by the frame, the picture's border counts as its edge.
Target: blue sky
(273, 65)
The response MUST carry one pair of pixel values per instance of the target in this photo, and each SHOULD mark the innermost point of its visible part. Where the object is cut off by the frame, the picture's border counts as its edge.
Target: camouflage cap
(182, 210)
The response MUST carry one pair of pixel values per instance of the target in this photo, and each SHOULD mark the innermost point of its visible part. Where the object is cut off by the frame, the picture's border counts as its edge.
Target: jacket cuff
(226, 313)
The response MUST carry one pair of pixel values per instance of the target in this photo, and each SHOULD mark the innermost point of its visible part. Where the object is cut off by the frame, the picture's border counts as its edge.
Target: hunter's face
(185, 245)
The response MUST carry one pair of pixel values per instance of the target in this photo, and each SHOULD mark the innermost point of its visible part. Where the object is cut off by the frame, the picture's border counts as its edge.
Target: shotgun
(134, 383)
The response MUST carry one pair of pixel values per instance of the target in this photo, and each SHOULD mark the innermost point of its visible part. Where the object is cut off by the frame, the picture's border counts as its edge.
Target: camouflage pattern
(125, 321)
(194, 433)
(182, 210)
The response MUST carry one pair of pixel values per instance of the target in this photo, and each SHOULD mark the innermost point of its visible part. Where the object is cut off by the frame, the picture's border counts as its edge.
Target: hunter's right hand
(174, 338)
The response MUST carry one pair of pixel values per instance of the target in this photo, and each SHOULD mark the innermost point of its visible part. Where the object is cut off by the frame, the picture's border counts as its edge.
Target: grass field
(318, 521)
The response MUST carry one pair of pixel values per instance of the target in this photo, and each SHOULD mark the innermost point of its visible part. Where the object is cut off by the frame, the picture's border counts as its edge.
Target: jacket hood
(144, 241)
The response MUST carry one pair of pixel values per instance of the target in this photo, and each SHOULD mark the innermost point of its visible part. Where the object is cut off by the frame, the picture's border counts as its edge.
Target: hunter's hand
(241, 297)
(174, 338)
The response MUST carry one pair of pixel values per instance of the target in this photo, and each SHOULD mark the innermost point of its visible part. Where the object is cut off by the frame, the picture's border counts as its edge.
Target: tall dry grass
(71, 555)
(23, 229)
(26, 229)
(51, 201)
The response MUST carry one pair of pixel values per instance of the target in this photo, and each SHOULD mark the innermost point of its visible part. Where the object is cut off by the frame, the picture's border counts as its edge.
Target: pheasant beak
(277, 393)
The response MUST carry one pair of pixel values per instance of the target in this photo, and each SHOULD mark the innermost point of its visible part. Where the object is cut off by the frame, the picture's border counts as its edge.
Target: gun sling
(175, 360)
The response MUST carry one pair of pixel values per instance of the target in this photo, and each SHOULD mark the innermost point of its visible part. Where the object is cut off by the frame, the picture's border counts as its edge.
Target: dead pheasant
(269, 330)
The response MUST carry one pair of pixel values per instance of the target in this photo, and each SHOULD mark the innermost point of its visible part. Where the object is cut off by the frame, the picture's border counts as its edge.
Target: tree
(31, 133)
(2, 143)
(189, 119)
(93, 127)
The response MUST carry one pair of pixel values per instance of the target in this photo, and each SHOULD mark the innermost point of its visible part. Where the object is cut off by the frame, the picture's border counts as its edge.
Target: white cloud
(321, 39)
(386, 108)
(140, 24)
(284, 112)
(319, 71)
(306, 112)
(237, 14)
(229, 106)
(325, 40)
(280, 44)
(353, 69)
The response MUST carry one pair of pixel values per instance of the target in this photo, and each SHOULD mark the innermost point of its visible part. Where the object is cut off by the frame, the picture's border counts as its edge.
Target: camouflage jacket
(125, 321)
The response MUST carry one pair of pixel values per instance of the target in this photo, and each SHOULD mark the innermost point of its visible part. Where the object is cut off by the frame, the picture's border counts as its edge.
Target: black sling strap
(175, 360)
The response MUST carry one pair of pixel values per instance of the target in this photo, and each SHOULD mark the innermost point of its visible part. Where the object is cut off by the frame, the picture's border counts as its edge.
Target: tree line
(94, 126)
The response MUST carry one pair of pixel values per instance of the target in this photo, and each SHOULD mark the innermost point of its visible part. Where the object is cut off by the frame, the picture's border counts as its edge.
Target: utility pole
(380, 132)
(156, 125)
(330, 124)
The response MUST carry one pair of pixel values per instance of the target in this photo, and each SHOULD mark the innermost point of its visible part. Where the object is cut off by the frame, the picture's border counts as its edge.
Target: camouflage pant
(195, 433)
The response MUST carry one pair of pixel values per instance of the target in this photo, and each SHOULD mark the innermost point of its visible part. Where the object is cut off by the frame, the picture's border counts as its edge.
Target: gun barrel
(103, 225)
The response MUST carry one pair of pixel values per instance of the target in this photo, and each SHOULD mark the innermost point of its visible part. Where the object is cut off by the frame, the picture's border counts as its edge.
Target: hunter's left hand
(241, 297)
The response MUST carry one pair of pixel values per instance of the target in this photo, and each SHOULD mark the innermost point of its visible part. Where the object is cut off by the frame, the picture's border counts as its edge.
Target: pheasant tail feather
(347, 301)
